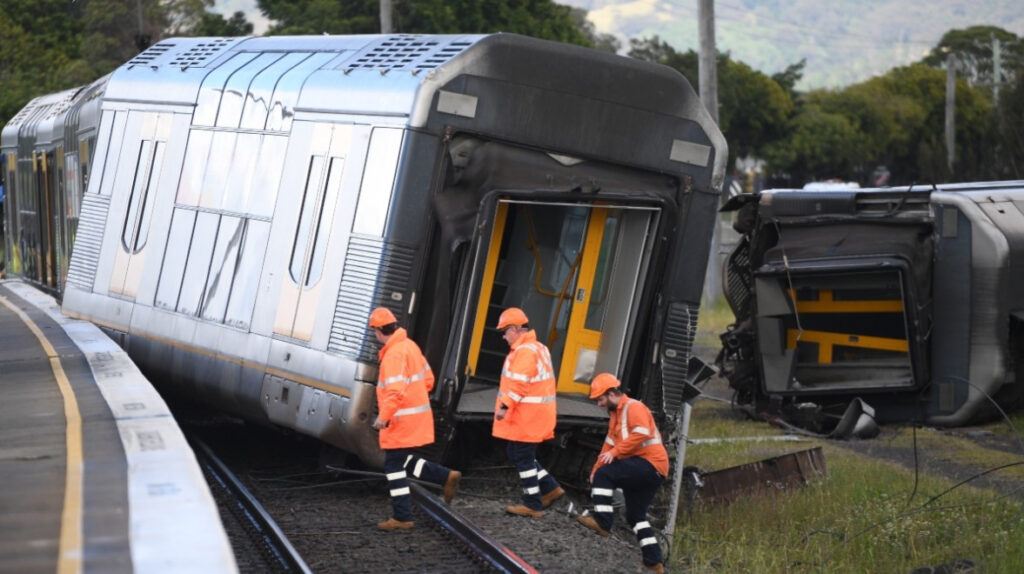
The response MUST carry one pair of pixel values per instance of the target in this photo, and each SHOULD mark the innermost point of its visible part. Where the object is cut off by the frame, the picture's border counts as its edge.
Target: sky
(842, 41)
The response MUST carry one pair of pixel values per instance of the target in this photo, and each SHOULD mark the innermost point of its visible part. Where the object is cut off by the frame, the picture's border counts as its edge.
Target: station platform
(95, 475)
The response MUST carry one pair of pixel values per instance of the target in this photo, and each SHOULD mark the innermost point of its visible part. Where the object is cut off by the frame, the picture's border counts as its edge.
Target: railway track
(274, 551)
(330, 517)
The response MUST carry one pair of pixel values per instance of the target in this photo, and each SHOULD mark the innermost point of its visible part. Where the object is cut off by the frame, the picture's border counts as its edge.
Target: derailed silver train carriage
(909, 301)
(46, 150)
(259, 197)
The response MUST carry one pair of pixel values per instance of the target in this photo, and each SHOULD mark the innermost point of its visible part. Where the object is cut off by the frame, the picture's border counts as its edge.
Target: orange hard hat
(602, 383)
(381, 316)
(512, 316)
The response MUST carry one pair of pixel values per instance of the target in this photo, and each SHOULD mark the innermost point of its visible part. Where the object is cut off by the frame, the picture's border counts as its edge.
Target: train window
(71, 180)
(243, 164)
(217, 163)
(324, 217)
(247, 281)
(173, 268)
(310, 200)
(237, 87)
(602, 276)
(136, 201)
(261, 90)
(286, 93)
(378, 180)
(149, 197)
(222, 268)
(113, 152)
(197, 268)
(267, 176)
(210, 93)
(194, 167)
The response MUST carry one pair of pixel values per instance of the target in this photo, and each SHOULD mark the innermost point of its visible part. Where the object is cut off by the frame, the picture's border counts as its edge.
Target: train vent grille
(151, 54)
(22, 115)
(199, 55)
(61, 106)
(89, 238)
(407, 53)
(677, 345)
(376, 273)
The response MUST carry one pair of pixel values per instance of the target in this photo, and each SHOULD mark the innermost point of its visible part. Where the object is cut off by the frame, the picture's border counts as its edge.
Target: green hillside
(844, 41)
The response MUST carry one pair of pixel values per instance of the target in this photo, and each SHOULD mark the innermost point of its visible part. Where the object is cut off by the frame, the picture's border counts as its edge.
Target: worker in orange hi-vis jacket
(633, 459)
(524, 412)
(405, 420)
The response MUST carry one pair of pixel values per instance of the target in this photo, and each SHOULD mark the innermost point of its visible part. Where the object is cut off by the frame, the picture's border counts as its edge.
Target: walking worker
(524, 412)
(405, 420)
(633, 459)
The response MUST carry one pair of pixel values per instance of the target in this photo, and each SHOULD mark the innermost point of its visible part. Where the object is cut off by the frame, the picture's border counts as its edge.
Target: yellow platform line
(69, 558)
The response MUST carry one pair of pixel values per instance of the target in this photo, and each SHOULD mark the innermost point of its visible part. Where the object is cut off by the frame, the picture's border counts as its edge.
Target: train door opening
(576, 270)
(829, 331)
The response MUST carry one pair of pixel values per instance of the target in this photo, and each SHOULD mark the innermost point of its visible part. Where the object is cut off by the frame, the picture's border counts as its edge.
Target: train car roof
(492, 80)
(38, 116)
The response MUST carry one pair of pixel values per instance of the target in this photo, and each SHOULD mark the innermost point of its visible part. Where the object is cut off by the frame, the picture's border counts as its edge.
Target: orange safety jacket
(632, 432)
(528, 390)
(403, 382)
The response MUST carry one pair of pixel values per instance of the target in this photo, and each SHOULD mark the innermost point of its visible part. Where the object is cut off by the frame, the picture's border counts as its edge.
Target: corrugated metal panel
(376, 273)
(740, 280)
(89, 238)
(677, 345)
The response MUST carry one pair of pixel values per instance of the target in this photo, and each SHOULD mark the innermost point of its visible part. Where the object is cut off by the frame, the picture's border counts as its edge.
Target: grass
(861, 518)
(712, 320)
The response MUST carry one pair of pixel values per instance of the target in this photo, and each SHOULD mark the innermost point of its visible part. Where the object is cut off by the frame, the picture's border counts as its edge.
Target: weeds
(859, 519)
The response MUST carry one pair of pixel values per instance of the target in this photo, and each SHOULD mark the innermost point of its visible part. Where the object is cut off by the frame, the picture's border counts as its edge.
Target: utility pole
(950, 109)
(707, 76)
(997, 69)
(385, 17)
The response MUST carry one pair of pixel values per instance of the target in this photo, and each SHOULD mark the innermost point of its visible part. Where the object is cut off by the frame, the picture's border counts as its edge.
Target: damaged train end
(894, 304)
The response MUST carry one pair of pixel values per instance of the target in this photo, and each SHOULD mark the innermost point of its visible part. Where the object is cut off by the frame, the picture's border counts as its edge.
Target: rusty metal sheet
(772, 474)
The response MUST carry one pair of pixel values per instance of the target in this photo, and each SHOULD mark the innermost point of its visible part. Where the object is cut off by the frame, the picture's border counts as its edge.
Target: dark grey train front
(252, 200)
(912, 301)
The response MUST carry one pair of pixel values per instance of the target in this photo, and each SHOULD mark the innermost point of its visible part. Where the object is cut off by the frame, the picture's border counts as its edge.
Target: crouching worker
(405, 420)
(632, 459)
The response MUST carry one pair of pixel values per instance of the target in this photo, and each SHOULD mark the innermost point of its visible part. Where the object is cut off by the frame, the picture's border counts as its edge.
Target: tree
(972, 49)
(603, 42)
(752, 108)
(39, 51)
(896, 120)
(211, 24)
(537, 18)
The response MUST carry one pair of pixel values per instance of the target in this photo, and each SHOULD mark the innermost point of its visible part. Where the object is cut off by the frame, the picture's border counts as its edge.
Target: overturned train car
(250, 201)
(908, 300)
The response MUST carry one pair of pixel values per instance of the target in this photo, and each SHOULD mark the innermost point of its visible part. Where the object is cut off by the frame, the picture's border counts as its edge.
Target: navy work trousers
(532, 476)
(398, 464)
(639, 482)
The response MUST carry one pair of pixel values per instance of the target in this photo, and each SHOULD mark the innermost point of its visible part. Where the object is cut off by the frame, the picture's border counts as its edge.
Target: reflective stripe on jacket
(528, 390)
(403, 382)
(632, 432)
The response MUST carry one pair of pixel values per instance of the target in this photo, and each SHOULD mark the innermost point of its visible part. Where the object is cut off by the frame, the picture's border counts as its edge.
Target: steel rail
(273, 538)
(494, 553)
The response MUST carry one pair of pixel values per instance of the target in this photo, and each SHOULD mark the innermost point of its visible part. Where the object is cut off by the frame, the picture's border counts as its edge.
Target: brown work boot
(592, 524)
(451, 485)
(392, 524)
(523, 510)
(549, 498)
(659, 567)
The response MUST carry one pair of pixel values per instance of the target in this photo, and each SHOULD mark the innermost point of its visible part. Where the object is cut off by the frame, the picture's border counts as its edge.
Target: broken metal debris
(768, 475)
